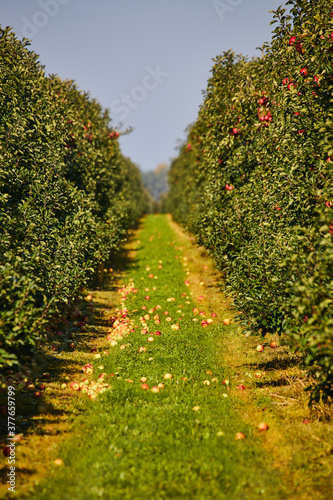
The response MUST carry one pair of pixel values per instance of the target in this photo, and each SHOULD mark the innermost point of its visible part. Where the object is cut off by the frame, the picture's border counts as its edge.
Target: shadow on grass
(273, 383)
(280, 363)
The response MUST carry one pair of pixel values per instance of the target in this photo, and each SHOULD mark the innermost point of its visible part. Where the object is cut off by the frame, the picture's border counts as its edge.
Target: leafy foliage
(254, 183)
(67, 194)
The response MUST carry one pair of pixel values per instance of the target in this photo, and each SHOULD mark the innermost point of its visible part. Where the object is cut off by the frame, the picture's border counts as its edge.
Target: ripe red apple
(145, 386)
(6, 451)
(240, 435)
(241, 387)
(299, 48)
(292, 40)
(260, 348)
(273, 344)
(304, 72)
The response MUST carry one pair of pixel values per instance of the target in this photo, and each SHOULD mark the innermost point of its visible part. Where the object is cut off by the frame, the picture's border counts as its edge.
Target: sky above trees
(148, 61)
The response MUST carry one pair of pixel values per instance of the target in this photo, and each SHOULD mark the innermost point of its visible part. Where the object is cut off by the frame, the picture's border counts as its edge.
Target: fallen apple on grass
(6, 451)
(263, 427)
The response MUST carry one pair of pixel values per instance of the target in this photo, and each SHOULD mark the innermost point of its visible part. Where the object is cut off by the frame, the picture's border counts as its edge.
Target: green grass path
(132, 443)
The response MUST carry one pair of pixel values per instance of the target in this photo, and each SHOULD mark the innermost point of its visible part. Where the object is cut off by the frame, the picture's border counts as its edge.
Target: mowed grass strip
(132, 443)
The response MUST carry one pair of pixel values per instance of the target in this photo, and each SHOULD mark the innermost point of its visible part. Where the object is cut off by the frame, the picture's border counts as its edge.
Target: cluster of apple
(24, 379)
(90, 388)
(62, 331)
(121, 327)
(273, 345)
(204, 322)
(264, 115)
(155, 388)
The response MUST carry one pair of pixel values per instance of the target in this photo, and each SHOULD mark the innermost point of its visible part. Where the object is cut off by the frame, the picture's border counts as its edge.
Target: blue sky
(146, 60)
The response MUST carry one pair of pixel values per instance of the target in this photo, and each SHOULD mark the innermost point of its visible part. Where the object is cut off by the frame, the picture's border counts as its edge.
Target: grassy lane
(132, 443)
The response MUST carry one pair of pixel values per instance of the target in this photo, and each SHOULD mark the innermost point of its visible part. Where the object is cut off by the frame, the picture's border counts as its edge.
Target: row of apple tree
(67, 194)
(254, 183)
